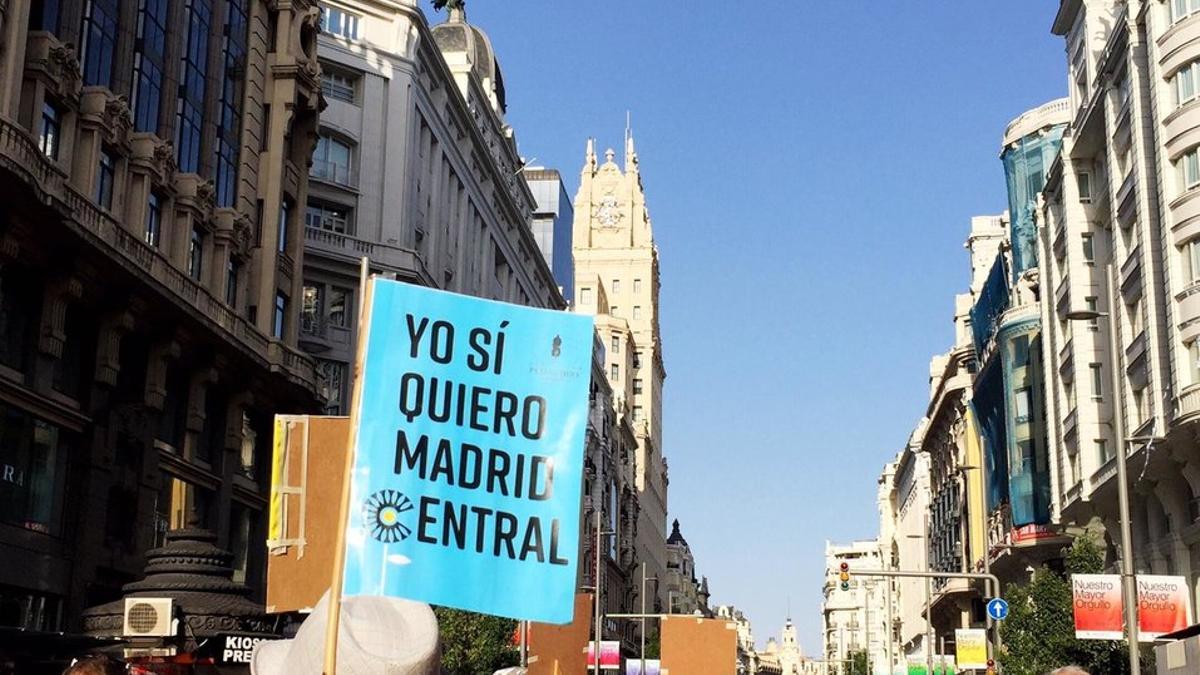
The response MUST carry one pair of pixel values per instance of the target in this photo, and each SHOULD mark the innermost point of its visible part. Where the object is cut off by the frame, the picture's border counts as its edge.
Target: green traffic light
(845, 585)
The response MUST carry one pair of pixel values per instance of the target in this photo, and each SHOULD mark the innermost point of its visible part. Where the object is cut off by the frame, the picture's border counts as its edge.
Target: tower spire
(630, 154)
(589, 162)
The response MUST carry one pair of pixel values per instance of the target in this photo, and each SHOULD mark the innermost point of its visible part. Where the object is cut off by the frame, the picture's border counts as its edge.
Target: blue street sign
(997, 608)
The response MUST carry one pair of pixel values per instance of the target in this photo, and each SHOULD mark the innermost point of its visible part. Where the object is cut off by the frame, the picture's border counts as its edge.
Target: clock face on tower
(607, 213)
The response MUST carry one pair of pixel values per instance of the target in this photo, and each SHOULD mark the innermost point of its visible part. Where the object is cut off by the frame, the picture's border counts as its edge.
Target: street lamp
(1128, 581)
(600, 533)
(642, 670)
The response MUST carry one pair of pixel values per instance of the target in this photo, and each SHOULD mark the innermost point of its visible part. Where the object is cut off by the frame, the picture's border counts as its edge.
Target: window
(339, 84)
(153, 233)
(585, 296)
(339, 23)
(332, 379)
(285, 208)
(278, 325)
(637, 285)
(149, 59)
(616, 372)
(637, 360)
(339, 300)
(616, 286)
(1020, 347)
(43, 15)
(249, 443)
(1102, 450)
(1193, 365)
(1182, 9)
(196, 254)
(99, 36)
(32, 471)
(310, 309)
(180, 505)
(1021, 404)
(193, 82)
(1189, 169)
(637, 312)
(1084, 181)
(616, 344)
(1089, 248)
(231, 282)
(1074, 460)
(1097, 372)
(331, 161)
(328, 217)
(18, 310)
(51, 130)
(1079, 71)
(637, 413)
(1092, 305)
(1185, 83)
(105, 176)
(614, 310)
(1070, 391)
(229, 108)
(241, 539)
(1191, 260)
(637, 385)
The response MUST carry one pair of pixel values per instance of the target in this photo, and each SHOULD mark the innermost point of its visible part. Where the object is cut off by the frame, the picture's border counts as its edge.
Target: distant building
(854, 620)
(685, 593)
(553, 219)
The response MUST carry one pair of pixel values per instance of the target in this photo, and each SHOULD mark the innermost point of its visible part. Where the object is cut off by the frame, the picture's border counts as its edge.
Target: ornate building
(150, 257)
(685, 593)
(617, 279)
(414, 168)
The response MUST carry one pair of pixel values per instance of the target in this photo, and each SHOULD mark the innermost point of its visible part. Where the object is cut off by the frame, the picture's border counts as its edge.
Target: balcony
(1187, 404)
(1188, 317)
(1062, 294)
(1126, 204)
(1130, 270)
(1060, 239)
(332, 172)
(347, 248)
(1134, 350)
(1071, 422)
(1065, 354)
(19, 153)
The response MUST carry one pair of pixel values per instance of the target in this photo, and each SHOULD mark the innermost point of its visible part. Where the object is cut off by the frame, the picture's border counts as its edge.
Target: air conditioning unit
(148, 617)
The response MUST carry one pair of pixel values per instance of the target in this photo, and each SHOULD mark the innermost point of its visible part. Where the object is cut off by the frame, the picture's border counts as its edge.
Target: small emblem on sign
(383, 511)
(556, 347)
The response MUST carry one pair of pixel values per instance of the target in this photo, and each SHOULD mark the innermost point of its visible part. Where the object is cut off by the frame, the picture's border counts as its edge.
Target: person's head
(1069, 670)
(95, 665)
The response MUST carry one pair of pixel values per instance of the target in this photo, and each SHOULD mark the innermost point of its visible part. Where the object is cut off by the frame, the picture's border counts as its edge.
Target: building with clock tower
(617, 280)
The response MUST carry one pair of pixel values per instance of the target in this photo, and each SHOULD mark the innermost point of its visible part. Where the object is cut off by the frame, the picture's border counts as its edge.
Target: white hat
(376, 636)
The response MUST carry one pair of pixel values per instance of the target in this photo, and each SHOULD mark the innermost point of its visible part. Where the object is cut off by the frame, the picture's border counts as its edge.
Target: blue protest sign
(997, 608)
(468, 456)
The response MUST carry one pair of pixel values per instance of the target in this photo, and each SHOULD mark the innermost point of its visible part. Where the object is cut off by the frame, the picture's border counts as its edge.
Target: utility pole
(642, 671)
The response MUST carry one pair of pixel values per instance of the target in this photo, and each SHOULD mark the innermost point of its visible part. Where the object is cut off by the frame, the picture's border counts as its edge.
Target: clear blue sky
(811, 169)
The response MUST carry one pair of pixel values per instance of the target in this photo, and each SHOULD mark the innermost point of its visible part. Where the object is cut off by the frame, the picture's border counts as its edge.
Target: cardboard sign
(970, 648)
(468, 454)
(610, 654)
(1096, 599)
(1163, 606)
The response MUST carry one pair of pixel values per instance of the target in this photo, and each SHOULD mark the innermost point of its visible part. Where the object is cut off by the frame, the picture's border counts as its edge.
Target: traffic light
(991, 667)
(844, 576)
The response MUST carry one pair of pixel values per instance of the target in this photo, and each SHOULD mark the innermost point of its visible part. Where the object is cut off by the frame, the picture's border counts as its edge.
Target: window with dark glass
(149, 60)
(196, 254)
(285, 208)
(43, 15)
(48, 137)
(105, 177)
(193, 67)
(17, 314)
(231, 282)
(331, 161)
(229, 125)
(153, 234)
(99, 36)
(173, 420)
(33, 471)
(278, 325)
(334, 218)
(68, 370)
(339, 300)
(181, 504)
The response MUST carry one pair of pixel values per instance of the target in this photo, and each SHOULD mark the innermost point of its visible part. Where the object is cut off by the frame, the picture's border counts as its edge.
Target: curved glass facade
(1025, 165)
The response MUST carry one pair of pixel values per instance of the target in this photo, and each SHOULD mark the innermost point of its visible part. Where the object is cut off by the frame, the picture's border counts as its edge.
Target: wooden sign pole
(339, 553)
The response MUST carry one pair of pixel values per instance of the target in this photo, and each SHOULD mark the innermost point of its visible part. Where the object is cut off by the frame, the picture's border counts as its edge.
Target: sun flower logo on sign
(382, 513)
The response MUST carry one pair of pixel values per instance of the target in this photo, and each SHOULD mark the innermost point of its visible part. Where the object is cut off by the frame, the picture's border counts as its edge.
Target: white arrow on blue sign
(997, 608)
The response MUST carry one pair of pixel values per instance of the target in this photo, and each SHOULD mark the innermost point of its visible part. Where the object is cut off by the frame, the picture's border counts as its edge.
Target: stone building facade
(151, 155)
(617, 279)
(414, 168)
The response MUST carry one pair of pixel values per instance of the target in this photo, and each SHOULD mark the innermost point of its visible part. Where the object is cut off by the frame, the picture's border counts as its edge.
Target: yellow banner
(970, 648)
(278, 480)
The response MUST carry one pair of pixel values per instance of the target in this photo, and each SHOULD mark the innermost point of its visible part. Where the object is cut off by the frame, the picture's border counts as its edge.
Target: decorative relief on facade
(56, 299)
